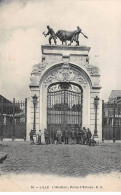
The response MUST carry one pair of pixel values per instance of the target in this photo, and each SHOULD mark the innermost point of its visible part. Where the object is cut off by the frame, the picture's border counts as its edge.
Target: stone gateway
(65, 92)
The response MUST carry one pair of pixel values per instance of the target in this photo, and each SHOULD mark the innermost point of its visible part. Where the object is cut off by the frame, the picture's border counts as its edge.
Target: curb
(3, 156)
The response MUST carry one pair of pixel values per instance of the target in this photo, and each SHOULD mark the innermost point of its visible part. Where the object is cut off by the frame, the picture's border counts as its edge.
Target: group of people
(75, 136)
(36, 136)
(82, 136)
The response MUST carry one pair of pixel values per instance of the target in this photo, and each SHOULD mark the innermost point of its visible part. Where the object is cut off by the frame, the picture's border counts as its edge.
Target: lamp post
(103, 120)
(34, 102)
(96, 100)
(114, 113)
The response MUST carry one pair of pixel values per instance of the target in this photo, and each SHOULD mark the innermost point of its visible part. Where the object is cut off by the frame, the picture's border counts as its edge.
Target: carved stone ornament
(79, 79)
(65, 74)
(57, 87)
(38, 68)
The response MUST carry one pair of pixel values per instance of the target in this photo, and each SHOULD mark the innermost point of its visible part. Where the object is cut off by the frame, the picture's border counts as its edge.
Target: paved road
(65, 160)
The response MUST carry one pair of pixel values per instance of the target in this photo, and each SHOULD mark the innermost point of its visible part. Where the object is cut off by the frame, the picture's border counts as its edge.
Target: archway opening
(64, 107)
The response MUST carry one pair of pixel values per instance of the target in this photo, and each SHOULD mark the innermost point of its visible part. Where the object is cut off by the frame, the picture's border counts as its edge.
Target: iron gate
(12, 118)
(64, 106)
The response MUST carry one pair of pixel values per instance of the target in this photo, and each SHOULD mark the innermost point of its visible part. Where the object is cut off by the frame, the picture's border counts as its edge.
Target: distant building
(114, 96)
(4, 99)
(8, 108)
(12, 119)
(112, 117)
(114, 101)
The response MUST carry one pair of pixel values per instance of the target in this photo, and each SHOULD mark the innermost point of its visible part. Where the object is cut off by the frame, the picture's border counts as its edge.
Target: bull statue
(65, 36)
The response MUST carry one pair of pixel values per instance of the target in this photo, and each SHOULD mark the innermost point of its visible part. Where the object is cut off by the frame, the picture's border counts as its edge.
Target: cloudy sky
(23, 21)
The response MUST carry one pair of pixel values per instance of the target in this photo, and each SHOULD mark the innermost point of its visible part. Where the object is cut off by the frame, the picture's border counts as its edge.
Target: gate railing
(64, 106)
(13, 119)
(111, 120)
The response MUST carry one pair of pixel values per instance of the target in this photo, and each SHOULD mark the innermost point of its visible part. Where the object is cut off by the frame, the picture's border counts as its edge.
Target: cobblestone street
(63, 160)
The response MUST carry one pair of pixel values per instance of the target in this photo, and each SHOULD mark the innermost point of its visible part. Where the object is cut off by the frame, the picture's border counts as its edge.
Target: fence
(13, 119)
(111, 121)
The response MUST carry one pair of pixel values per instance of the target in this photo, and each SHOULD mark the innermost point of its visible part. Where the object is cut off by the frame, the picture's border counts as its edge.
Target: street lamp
(96, 101)
(34, 102)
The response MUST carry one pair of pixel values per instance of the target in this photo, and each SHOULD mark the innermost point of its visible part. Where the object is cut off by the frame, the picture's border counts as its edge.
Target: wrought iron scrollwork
(64, 105)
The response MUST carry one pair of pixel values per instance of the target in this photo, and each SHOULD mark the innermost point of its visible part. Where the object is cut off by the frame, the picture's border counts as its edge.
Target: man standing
(47, 137)
(39, 137)
(81, 133)
(59, 135)
(31, 137)
(77, 136)
(46, 133)
(73, 136)
(84, 135)
(52, 137)
(66, 136)
(89, 135)
(52, 35)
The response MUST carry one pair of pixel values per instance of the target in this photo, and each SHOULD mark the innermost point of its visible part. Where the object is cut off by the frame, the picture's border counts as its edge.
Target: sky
(23, 21)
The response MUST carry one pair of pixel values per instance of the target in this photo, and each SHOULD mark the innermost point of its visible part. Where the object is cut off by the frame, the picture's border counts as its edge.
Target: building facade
(66, 87)
(12, 119)
(112, 117)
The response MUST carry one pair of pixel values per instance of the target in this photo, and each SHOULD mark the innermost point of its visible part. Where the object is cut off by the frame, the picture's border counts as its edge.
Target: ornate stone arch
(65, 65)
(66, 73)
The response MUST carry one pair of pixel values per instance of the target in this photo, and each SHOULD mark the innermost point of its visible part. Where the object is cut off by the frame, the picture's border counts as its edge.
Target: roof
(114, 94)
(4, 99)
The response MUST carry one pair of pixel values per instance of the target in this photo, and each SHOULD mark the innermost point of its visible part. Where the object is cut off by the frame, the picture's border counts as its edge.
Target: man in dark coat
(39, 137)
(52, 137)
(89, 135)
(77, 136)
(31, 137)
(73, 136)
(47, 136)
(81, 134)
(66, 136)
(84, 135)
